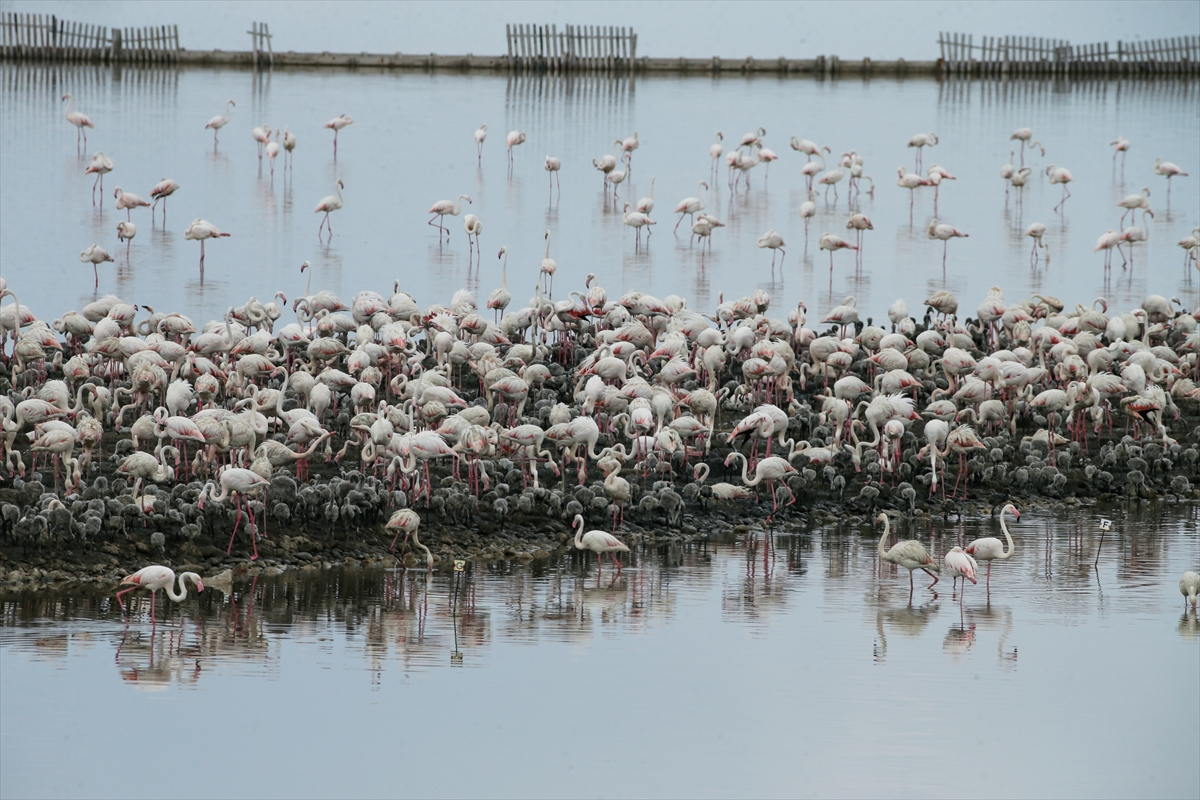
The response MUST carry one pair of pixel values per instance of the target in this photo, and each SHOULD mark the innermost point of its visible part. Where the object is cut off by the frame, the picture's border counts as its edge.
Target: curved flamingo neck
(182, 595)
(1007, 537)
(887, 530)
(578, 531)
(702, 471)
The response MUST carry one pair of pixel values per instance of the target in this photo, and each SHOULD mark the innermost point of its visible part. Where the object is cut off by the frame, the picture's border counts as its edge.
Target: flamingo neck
(887, 530)
(182, 595)
(578, 532)
(1007, 537)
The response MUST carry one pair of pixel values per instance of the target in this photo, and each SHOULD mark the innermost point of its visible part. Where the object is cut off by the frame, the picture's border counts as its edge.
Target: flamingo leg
(237, 523)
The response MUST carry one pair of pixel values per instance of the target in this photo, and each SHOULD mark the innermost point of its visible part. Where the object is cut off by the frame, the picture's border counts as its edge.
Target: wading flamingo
(218, 122)
(1023, 135)
(921, 141)
(1164, 168)
(1060, 175)
(125, 233)
(1189, 587)
(959, 564)
(688, 206)
(337, 123)
(480, 136)
(101, 165)
(945, 233)
(599, 542)
(990, 548)
(78, 119)
(553, 165)
(95, 255)
(407, 521)
(909, 554)
(513, 139)
(443, 207)
(161, 191)
(237, 482)
(200, 230)
(127, 202)
(330, 204)
(157, 577)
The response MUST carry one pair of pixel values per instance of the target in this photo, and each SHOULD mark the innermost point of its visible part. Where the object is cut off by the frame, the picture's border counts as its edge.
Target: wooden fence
(593, 48)
(1032, 56)
(45, 37)
(260, 37)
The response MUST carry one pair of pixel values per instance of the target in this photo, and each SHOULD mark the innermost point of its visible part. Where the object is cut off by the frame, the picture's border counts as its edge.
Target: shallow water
(412, 144)
(718, 669)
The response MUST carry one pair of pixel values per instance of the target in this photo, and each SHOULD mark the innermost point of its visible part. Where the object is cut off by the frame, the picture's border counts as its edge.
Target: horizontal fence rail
(45, 37)
(590, 48)
(1033, 56)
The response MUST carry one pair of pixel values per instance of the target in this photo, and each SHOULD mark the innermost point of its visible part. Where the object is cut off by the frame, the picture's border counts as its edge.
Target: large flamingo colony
(439, 410)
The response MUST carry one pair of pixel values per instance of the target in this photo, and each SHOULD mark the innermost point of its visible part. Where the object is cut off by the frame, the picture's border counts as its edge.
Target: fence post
(115, 52)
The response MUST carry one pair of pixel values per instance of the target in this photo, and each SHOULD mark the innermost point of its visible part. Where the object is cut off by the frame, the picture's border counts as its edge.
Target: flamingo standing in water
(157, 577)
(715, 151)
(945, 233)
(95, 255)
(513, 139)
(78, 119)
(161, 191)
(337, 123)
(218, 122)
(480, 135)
(1189, 587)
(1036, 231)
(776, 243)
(831, 242)
(808, 147)
(858, 223)
(289, 144)
(101, 165)
(909, 554)
(637, 220)
(553, 165)
(1164, 168)
(910, 180)
(1060, 175)
(125, 233)
(688, 206)
(1023, 135)
(990, 549)
(1132, 202)
(959, 564)
(407, 521)
(273, 151)
(599, 542)
(473, 227)
(549, 266)
(443, 207)
(330, 204)
(1120, 147)
(127, 202)
(238, 482)
(200, 230)
(261, 135)
(921, 141)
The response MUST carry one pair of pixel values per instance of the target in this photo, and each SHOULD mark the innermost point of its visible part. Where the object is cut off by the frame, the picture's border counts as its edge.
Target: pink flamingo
(769, 470)
(1164, 168)
(960, 565)
(78, 119)
(329, 204)
(945, 233)
(990, 548)
(128, 202)
(909, 554)
(157, 577)
(513, 139)
(100, 166)
(1060, 175)
(238, 482)
(921, 141)
(831, 242)
(200, 230)
(161, 191)
(218, 122)
(337, 123)
(125, 233)
(599, 542)
(407, 521)
(441, 208)
(95, 255)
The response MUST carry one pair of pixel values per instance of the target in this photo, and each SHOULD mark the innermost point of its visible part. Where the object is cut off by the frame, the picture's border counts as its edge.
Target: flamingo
(831, 242)
(480, 136)
(1107, 241)
(613, 178)
(513, 139)
(921, 141)
(261, 134)
(646, 204)
(1060, 175)
(808, 210)
(1036, 231)
(769, 469)
(238, 482)
(1132, 202)
(832, 178)
(1189, 586)
(407, 521)
(715, 151)
(959, 564)
(200, 230)
(910, 180)
(161, 191)
(289, 144)
(78, 119)
(443, 207)
(549, 266)
(1120, 147)
(945, 233)
(776, 243)
(500, 298)
(858, 223)
(1164, 168)
(909, 554)
(95, 255)
(808, 147)
(627, 147)
(936, 431)
(273, 151)
(337, 123)
(1023, 135)
(125, 233)
(936, 175)
(688, 206)
(553, 165)
(128, 202)
(218, 122)
(637, 220)
(810, 170)
(472, 227)
(100, 166)
(157, 577)
(989, 548)
(1007, 171)
(330, 204)
(599, 542)
(608, 163)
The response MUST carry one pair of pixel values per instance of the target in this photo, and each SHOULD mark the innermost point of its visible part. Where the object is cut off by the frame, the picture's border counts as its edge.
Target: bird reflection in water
(909, 620)
(153, 663)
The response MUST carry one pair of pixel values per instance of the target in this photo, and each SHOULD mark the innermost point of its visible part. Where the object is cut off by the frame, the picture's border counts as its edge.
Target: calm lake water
(784, 666)
(412, 144)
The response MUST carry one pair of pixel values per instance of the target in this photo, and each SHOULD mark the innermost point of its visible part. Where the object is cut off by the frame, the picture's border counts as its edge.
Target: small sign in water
(1105, 525)
(460, 565)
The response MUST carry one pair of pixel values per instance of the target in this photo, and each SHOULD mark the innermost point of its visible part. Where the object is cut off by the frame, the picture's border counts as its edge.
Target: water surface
(778, 665)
